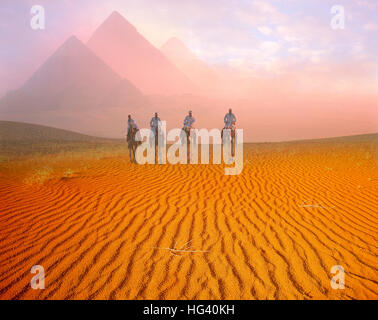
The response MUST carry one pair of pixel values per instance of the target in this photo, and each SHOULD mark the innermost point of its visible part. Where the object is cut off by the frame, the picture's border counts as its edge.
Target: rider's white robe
(155, 122)
(188, 121)
(131, 123)
(229, 119)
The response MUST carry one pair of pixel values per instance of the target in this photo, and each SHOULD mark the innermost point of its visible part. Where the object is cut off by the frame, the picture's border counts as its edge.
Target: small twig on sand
(303, 205)
(183, 249)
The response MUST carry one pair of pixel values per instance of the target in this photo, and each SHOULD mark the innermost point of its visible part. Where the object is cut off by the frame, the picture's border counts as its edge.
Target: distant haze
(285, 82)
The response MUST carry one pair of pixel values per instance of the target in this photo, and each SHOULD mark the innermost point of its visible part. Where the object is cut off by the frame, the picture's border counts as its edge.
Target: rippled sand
(115, 230)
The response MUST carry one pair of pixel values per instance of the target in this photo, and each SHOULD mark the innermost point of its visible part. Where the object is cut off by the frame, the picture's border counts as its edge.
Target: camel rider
(155, 122)
(131, 124)
(157, 136)
(229, 120)
(155, 125)
(188, 121)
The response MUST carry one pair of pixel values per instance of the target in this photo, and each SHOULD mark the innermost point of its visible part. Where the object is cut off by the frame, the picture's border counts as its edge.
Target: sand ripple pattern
(273, 232)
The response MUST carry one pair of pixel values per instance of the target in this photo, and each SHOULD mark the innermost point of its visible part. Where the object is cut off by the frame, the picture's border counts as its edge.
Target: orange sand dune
(273, 232)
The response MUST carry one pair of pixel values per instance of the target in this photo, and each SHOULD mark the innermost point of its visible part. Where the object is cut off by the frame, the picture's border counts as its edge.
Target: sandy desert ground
(104, 228)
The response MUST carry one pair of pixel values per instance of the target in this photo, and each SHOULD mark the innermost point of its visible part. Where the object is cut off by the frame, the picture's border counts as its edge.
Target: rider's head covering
(190, 111)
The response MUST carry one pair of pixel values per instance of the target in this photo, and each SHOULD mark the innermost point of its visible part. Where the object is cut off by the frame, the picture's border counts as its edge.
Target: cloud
(265, 30)
(371, 26)
(270, 36)
(269, 48)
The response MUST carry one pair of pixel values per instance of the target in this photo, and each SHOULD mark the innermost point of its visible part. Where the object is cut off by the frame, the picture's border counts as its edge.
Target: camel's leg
(156, 149)
(233, 146)
(134, 151)
(129, 147)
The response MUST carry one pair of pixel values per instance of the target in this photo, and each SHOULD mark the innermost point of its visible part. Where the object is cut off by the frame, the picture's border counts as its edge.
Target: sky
(275, 42)
(261, 37)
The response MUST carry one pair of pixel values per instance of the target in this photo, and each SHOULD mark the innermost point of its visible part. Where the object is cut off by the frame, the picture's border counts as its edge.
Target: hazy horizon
(282, 68)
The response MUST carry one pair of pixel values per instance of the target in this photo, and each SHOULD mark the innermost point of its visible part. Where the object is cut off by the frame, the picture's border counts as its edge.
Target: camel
(132, 144)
